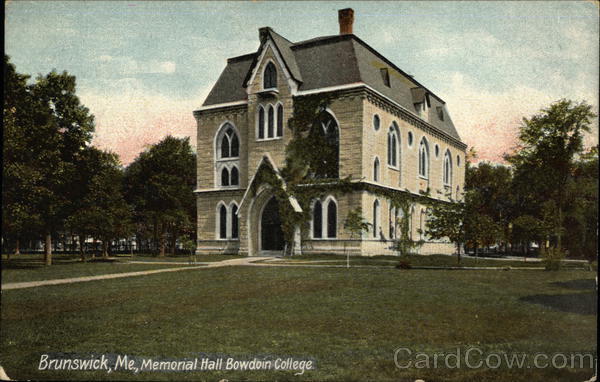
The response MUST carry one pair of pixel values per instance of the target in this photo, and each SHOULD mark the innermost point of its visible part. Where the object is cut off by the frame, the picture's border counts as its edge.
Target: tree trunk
(173, 241)
(163, 241)
(559, 229)
(155, 236)
(17, 247)
(48, 249)
(105, 248)
(95, 249)
(82, 247)
(458, 252)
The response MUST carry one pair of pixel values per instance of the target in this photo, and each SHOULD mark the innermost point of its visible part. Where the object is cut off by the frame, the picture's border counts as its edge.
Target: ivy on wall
(308, 157)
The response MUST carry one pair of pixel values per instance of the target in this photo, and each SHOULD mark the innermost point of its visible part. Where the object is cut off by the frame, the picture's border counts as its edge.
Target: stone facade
(354, 110)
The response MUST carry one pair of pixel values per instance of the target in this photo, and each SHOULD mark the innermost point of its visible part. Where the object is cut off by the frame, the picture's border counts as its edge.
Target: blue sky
(142, 67)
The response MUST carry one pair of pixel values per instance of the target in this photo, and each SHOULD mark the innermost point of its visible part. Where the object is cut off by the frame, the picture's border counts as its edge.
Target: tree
(447, 220)
(102, 211)
(159, 183)
(544, 158)
(356, 225)
(404, 243)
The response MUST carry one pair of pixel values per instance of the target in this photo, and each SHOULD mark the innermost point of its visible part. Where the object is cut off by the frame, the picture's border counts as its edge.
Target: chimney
(346, 19)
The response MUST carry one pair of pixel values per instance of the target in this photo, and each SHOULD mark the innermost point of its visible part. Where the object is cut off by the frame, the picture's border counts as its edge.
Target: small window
(280, 120)
(234, 177)
(376, 170)
(424, 159)
(437, 151)
(225, 177)
(317, 220)
(222, 222)
(393, 145)
(385, 76)
(447, 173)
(234, 222)
(375, 218)
(440, 113)
(261, 122)
(331, 219)
(376, 122)
(270, 77)
(410, 138)
(271, 123)
(458, 161)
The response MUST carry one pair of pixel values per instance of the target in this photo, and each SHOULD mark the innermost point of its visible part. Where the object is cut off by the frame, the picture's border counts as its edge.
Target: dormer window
(385, 76)
(270, 77)
(440, 112)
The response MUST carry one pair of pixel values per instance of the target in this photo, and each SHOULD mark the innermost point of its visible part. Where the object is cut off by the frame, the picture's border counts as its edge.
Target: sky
(142, 67)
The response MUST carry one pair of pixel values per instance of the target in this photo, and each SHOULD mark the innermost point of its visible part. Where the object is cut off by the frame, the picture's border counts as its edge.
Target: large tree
(48, 128)
(159, 184)
(544, 159)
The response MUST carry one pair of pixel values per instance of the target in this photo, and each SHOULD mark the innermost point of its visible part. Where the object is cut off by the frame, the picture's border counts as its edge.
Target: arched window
(423, 223)
(222, 222)
(376, 122)
(234, 177)
(424, 158)
(228, 142)
(376, 170)
(280, 120)
(331, 219)
(317, 220)
(375, 218)
(225, 177)
(447, 169)
(261, 122)
(325, 164)
(271, 121)
(393, 146)
(234, 222)
(270, 76)
(393, 222)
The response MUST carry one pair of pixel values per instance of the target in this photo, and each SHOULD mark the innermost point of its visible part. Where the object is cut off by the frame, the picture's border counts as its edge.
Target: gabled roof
(331, 61)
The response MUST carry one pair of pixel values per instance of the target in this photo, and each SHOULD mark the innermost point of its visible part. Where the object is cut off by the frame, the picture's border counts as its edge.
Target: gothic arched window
(317, 220)
(270, 76)
(424, 158)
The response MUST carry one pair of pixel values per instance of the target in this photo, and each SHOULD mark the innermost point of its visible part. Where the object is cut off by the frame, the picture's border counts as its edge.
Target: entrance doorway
(271, 235)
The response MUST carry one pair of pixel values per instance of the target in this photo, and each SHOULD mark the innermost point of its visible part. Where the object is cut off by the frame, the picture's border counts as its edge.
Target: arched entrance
(271, 235)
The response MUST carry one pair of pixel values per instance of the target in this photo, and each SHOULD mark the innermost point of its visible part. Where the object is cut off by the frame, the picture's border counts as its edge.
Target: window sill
(324, 238)
(395, 168)
(423, 177)
(268, 139)
(228, 159)
(229, 188)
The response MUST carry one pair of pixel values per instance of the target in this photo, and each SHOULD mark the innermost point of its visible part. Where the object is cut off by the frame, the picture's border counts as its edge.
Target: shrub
(403, 264)
(552, 258)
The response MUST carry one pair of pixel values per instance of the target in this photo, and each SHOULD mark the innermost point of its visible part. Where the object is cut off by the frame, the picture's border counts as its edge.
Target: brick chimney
(346, 19)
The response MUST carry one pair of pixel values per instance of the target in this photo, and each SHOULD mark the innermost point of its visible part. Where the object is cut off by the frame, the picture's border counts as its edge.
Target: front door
(271, 234)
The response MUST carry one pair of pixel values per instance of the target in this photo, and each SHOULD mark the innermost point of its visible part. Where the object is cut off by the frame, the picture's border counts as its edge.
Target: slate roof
(331, 61)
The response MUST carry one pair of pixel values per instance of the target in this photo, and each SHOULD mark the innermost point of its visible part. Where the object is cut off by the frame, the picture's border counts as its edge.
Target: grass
(431, 260)
(349, 321)
(181, 258)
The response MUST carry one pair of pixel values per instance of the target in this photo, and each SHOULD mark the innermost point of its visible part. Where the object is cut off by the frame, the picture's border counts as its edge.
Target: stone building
(390, 132)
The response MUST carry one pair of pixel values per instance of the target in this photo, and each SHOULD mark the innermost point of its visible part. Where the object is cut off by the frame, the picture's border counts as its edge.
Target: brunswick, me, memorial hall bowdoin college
(378, 133)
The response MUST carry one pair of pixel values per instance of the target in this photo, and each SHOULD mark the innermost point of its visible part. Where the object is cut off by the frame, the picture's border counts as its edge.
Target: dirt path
(216, 264)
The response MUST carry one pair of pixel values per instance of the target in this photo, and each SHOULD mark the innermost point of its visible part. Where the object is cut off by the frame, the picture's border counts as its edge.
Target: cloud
(489, 120)
(110, 66)
(129, 116)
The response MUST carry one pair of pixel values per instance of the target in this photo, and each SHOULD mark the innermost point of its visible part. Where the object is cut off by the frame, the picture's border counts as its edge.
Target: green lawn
(179, 258)
(431, 260)
(349, 321)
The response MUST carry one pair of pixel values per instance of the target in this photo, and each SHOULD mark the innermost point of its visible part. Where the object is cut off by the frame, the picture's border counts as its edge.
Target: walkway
(216, 264)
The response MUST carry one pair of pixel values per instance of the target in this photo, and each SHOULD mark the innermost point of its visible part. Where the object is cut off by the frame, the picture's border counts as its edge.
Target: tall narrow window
(234, 177)
(447, 169)
(423, 223)
(326, 163)
(271, 117)
(393, 146)
(225, 177)
(376, 170)
(423, 159)
(393, 222)
(375, 218)
(234, 222)
(270, 76)
(385, 76)
(317, 220)
(279, 120)
(235, 146)
(261, 122)
(222, 222)
(331, 219)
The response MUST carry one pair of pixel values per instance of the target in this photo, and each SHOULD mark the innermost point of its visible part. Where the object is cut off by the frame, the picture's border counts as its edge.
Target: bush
(552, 258)
(403, 264)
